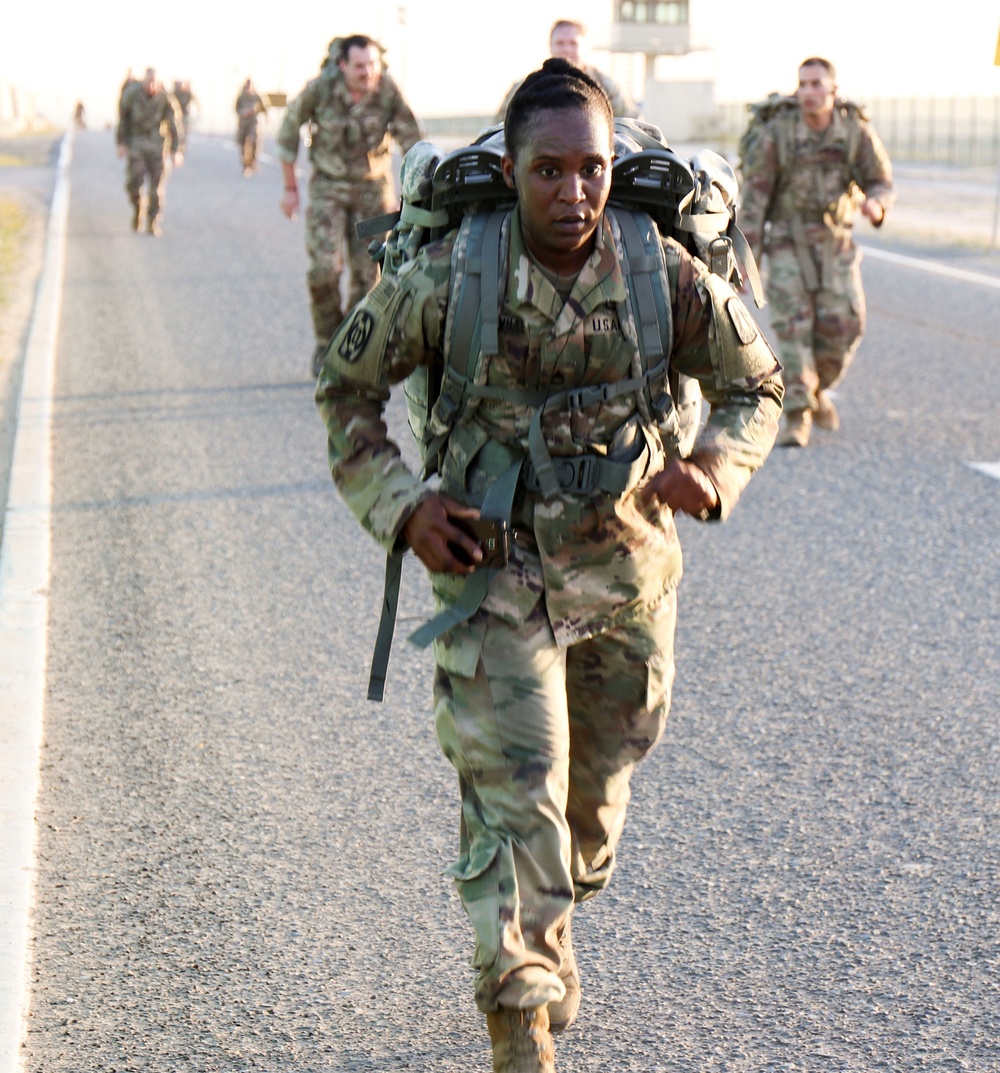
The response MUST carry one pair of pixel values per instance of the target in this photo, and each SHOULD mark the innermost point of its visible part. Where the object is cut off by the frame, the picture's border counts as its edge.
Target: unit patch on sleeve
(356, 336)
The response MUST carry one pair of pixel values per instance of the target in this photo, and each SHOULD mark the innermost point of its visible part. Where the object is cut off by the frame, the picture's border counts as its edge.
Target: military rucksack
(654, 192)
(692, 201)
(781, 113)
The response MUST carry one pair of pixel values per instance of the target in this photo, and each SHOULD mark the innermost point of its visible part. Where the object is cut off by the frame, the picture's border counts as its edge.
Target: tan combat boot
(563, 1013)
(826, 415)
(521, 1041)
(798, 424)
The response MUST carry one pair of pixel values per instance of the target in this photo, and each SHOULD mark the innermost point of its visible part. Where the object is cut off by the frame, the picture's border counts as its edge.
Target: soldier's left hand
(682, 486)
(178, 159)
(873, 210)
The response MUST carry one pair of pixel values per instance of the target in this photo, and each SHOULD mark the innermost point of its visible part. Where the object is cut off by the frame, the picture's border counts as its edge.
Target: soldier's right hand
(436, 541)
(290, 203)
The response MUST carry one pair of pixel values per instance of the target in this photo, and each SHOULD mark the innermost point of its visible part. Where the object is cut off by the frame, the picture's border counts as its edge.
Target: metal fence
(963, 131)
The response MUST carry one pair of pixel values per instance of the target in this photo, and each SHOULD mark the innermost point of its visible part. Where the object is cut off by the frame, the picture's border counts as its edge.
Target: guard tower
(653, 28)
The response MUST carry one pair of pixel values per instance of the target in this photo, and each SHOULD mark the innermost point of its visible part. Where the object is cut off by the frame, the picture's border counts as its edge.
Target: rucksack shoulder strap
(472, 328)
(645, 275)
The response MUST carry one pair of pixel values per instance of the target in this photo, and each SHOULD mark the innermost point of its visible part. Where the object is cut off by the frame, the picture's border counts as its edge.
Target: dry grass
(12, 222)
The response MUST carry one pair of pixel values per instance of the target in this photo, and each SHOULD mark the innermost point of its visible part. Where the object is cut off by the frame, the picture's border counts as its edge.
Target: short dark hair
(556, 85)
(571, 23)
(818, 61)
(355, 41)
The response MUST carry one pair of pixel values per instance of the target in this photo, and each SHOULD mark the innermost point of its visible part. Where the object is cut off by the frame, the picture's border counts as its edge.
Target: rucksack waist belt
(584, 474)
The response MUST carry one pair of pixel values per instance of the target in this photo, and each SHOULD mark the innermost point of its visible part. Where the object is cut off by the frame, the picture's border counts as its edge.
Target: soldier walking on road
(185, 98)
(249, 105)
(147, 117)
(354, 109)
(554, 671)
(566, 40)
(809, 162)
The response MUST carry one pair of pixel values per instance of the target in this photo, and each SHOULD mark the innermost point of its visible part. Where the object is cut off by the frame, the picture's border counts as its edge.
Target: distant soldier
(809, 162)
(147, 117)
(249, 105)
(566, 39)
(185, 99)
(353, 109)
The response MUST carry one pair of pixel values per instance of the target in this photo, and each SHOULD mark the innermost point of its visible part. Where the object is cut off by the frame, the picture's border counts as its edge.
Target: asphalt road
(240, 859)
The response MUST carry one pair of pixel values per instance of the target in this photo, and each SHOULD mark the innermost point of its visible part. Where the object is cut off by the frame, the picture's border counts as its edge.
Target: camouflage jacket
(144, 120)
(796, 171)
(350, 139)
(249, 105)
(598, 557)
(620, 103)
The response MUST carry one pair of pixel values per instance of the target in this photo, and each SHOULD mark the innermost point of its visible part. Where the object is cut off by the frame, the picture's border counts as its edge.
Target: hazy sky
(459, 56)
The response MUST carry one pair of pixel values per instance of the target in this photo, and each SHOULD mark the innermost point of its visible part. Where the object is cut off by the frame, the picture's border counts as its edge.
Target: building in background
(17, 110)
(653, 34)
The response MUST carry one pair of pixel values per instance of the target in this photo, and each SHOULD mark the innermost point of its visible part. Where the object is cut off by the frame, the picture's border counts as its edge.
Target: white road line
(991, 469)
(25, 560)
(932, 266)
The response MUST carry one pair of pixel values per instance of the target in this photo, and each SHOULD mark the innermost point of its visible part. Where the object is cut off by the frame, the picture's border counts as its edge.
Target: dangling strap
(386, 625)
(497, 503)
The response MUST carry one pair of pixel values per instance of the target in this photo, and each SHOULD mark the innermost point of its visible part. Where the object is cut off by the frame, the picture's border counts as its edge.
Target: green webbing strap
(640, 269)
(578, 399)
(377, 225)
(497, 503)
(583, 474)
(475, 324)
(746, 258)
(386, 626)
(490, 285)
(414, 214)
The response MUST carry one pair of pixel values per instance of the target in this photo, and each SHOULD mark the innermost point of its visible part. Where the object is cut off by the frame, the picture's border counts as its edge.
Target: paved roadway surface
(240, 859)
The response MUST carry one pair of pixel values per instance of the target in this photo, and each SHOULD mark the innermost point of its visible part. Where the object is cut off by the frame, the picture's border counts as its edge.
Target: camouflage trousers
(544, 740)
(246, 139)
(333, 246)
(146, 165)
(818, 331)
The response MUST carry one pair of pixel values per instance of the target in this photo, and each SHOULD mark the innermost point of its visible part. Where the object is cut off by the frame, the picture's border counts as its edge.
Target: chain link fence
(960, 131)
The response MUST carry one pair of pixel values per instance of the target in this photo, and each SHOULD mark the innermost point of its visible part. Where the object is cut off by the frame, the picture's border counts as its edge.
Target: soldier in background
(146, 118)
(249, 105)
(566, 39)
(553, 677)
(808, 164)
(184, 97)
(354, 109)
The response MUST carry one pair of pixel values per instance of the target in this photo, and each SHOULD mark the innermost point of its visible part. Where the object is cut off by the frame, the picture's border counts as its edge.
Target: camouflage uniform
(249, 105)
(560, 683)
(142, 120)
(620, 104)
(351, 180)
(184, 97)
(802, 183)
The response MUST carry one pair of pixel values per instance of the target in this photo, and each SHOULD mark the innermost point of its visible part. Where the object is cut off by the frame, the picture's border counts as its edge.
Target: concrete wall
(684, 111)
